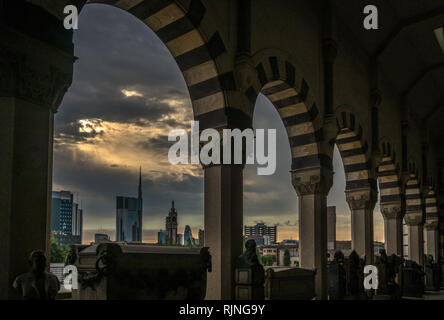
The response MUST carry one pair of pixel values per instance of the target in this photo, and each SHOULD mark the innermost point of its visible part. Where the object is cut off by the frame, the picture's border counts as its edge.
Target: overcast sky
(127, 94)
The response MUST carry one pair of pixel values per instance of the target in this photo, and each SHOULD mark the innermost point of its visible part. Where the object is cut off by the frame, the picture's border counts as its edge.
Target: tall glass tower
(129, 212)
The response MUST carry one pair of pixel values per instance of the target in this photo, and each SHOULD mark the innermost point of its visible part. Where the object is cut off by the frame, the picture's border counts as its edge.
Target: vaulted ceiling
(408, 53)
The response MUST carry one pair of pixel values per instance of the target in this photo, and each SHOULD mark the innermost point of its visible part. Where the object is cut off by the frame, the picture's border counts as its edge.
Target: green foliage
(287, 261)
(58, 253)
(268, 260)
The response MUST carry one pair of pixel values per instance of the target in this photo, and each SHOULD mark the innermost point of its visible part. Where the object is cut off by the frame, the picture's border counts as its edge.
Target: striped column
(414, 218)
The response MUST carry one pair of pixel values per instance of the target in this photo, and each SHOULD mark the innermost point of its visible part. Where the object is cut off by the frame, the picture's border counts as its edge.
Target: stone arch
(413, 199)
(186, 30)
(431, 208)
(354, 151)
(388, 176)
(279, 80)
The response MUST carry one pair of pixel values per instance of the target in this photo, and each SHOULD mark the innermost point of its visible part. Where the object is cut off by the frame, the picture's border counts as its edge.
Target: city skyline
(103, 147)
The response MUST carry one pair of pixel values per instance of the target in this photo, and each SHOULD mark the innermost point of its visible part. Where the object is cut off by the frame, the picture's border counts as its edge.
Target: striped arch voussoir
(354, 152)
(181, 26)
(413, 195)
(278, 79)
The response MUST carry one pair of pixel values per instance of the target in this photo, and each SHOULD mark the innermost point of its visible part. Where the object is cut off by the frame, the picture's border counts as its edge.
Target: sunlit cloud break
(131, 93)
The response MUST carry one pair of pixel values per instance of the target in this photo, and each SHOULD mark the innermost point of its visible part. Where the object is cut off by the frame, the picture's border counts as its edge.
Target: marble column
(392, 214)
(312, 187)
(34, 75)
(223, 226)
(361, 203)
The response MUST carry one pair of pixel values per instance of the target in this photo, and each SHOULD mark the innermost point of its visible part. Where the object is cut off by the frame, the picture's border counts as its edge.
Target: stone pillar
(223, 226)
(416, 243)
(34, 75)
(431, 225)
(392, 214)
(432, 241)
(312, 186)
(361, 203)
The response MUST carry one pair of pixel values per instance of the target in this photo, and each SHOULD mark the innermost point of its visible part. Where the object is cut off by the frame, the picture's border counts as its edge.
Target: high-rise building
(260, 229)
(179, 239)
(162, 236)
(66, 218)
(331, 229)
(171, 224)
(129, 212)
(187, 235)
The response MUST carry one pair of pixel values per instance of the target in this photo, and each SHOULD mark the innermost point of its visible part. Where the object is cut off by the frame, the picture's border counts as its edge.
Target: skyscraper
(187, 235)
(260, 229)
(66, 218)
(129, 212)
(171, 224)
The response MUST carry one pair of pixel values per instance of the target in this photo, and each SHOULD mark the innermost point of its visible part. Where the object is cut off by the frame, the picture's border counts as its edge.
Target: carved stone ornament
(23, 77)
(361, 199)
(312, 182)
(391, 211)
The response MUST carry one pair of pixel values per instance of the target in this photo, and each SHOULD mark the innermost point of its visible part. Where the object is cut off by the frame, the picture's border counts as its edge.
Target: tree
(268, 260)
(287, 261)
(58, 253)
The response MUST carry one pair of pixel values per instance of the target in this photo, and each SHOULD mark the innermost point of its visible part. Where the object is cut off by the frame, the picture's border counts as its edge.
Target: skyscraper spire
(172, 203)
(140, 182)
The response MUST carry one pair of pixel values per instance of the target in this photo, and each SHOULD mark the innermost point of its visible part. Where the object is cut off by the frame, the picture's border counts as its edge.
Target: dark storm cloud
(117, 52)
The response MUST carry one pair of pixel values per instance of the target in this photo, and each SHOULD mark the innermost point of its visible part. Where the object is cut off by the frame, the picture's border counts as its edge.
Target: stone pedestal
(392, 215)
(312, 187)
(223, 227)
(34, 75)
(362, 203)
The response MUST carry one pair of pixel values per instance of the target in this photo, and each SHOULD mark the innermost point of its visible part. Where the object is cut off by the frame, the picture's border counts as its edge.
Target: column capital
(391, 210)
(431, 225)
(32, 70)
(414, 218)
(361, 199)
(312, 181)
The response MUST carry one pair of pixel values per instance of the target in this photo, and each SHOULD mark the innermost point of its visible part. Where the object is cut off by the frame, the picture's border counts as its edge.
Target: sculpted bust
(37, 284)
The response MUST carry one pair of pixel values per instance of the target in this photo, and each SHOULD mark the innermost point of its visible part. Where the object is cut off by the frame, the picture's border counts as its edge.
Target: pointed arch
(354, 152)
(279, 80)
(388, 176)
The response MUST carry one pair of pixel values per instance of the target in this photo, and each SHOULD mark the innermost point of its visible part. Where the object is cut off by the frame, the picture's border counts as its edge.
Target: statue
(37, 284)
(250, 275)
(249, 257)
(337, 277)
(355, 282)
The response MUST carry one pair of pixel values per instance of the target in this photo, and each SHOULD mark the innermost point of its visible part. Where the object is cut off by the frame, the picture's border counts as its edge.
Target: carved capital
(414, 218)
(33, 71)
(431, 225)
(391, 210)
(312, 181)
(361, 199)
